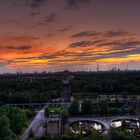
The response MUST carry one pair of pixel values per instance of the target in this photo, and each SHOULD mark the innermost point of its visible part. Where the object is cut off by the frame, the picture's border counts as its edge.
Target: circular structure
(86, 126)
(130, 124)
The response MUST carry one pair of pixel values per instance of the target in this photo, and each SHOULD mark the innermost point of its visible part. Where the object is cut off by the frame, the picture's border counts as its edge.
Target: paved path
(40, 131)
(36, 125)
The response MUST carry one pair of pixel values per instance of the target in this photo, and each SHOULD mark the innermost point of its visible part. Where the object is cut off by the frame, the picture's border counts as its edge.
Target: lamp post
(80, 125)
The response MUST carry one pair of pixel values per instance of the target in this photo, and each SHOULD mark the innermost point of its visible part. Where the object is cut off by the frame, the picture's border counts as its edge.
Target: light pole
(80, 125)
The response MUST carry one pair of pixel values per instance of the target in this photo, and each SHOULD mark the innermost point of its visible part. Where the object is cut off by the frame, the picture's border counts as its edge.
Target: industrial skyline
(69, 34)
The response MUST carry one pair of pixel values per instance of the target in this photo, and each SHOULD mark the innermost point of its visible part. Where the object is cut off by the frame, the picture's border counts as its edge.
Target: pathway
(36, 125)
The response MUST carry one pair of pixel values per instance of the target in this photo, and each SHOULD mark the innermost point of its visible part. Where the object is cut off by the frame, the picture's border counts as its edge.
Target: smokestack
(127, 67)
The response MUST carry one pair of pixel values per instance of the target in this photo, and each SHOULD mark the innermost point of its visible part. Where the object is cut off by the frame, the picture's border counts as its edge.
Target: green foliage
(104, 108)
(93, 135)
(74, 108)
(17, 116)
(107, 82)
(12, 122)
(47, 112)
(6, 133)
(29, 114)
(15, 90)
(4, 127)
(87, 107)
(121, 135)
(64, 116)
(68, 132)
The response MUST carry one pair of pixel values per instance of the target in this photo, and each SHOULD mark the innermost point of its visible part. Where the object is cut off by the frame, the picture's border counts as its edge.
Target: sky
(55, 35)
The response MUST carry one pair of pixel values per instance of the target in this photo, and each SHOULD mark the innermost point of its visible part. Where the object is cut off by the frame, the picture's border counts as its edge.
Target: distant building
(66, 87)
(98, 68)
(54, 124)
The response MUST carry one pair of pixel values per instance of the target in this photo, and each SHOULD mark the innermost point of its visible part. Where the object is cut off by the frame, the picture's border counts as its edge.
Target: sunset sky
(69, 34)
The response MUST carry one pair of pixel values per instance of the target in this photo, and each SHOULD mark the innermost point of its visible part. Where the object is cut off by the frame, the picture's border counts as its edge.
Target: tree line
(16, 90)
(13, 121)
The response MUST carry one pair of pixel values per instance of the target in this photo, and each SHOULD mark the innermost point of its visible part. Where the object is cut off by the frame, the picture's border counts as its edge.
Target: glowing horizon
(69, 34)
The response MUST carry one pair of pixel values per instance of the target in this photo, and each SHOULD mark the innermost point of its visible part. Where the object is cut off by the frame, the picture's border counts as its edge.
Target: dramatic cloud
(37, 24)
(110, 33)
(89, 57)
(131, 44)
(51, 18)
(60, 31)
(79, 54)
(24, 47)
(80, 44)
(67, 28)
(75, 3)
(121, 44)
(116, 33)
(112, 43)
(35, 5)
(70, 31)
(69, 56)
(66, 54)
(23, 38)
(46, 57)
(86, 34)
(119, 54)
(84, 43)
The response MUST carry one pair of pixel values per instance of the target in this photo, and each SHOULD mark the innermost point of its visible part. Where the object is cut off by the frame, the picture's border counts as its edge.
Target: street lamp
(80, 125)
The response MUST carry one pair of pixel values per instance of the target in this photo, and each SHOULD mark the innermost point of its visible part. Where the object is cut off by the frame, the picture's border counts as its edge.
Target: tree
(87, 107)
(29, 114)
(4, 127)
(104, 108)
(47, 112)
(5, 131)
(17, 120)
(64, 118)
(74, 108)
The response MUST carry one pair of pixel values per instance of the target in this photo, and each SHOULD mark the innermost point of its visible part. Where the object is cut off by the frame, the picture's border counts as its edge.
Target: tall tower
(98, 67)
(127, 67)
(66, 87)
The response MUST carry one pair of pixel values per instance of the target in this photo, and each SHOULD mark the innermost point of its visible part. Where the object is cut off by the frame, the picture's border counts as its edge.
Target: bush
(47, 112)
(74, 108)
(29, 114)
(87, 107)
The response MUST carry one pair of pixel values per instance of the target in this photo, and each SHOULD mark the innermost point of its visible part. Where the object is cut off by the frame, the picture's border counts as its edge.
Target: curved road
(36, 126)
